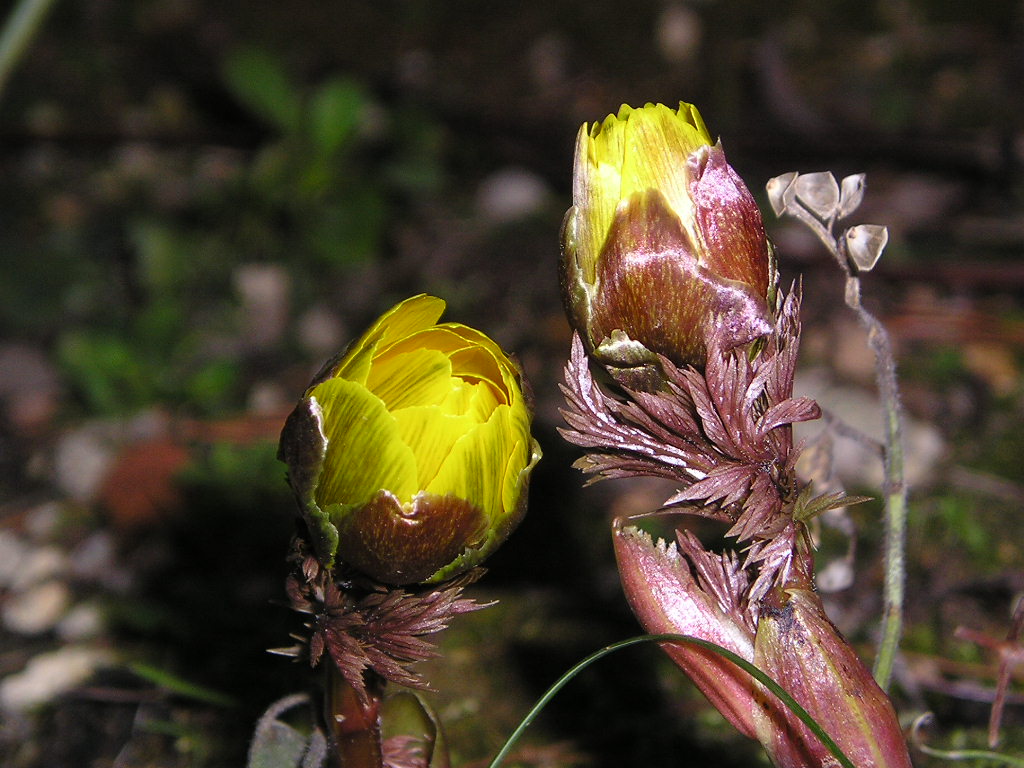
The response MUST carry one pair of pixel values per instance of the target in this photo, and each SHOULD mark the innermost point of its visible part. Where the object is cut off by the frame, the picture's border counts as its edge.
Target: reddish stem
(353, 729)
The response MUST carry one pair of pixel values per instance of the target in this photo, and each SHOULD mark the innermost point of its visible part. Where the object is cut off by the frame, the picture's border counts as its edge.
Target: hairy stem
(18, 32)
(353, 730)
(895, 491)
(894, 488)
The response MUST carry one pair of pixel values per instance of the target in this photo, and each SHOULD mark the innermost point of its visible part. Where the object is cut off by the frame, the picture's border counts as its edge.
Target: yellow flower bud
(664, 244)
(410, 454)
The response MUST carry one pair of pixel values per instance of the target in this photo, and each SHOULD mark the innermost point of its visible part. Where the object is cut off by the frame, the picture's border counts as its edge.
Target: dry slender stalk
(894, 488)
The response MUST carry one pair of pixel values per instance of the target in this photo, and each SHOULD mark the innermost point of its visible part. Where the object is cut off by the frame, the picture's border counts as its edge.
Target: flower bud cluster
(669, 284)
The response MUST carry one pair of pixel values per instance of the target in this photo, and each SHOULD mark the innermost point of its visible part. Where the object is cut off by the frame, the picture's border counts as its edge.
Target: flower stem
(894, 488)
(895, 491)
(353, 728)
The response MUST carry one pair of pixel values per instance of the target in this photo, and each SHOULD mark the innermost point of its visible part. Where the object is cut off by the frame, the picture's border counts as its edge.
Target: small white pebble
(679, 33)
(12, 550)
(37, 609)
(856, 465)
(835, 577)
(95, 560)
(321, 331)
(41, 522)
(510, 194)
(49, 675)
(83, 622)
(268, 398)
(81, 460)
(39, 565)
(94, 556)
(264, 291)
(148, 425)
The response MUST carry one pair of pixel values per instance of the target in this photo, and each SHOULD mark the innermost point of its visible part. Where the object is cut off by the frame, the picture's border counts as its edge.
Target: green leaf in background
(158, 250)
(105, 371)
(416, 166)
(335, 112)
(348, 231)
(237, 476)
(259, 81)
(179, 686)
(212, 386)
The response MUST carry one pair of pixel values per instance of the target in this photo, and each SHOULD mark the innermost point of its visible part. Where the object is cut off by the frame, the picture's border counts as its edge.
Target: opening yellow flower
(630, 152)
(411, 453)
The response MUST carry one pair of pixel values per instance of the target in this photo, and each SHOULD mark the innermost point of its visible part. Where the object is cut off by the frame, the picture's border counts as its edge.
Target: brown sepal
(396, 545)
(652, 286)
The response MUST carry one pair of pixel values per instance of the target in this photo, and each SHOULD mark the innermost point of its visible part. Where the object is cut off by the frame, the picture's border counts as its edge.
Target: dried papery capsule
(851, 195)
(781, 192)
(818, 192)
(865, 243)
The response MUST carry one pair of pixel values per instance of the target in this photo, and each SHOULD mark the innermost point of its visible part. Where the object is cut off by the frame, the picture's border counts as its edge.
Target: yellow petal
(690, 114)
(477, 354)
(475, 468)
(475, 338)
(496, 366)
(512, 475)
(439, 337)
(657, 143)
(525, 453)
(474, 356)
(635, 150)
(418, 377)
(597, 187)
(431, 432)
(365, 452)
(399, 322)
(483, 399)
(478, 362)
(460, 399)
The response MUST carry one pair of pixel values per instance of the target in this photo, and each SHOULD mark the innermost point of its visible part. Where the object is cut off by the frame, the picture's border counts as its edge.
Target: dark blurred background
(201, 202)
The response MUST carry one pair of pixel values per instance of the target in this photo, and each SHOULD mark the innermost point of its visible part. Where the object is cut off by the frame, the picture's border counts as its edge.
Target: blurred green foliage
(306, 179)
(127, 264)
(961, 522)
(242, 477)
